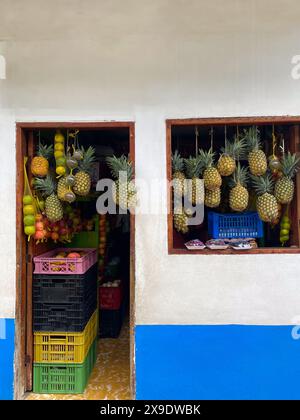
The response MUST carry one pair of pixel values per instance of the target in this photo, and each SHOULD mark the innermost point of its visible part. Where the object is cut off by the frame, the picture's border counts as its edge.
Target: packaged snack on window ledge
(241, 245)
(217, 244)
(195, 244)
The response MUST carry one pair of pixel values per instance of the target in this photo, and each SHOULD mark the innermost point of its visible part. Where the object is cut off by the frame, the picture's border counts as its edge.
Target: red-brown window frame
(240, 121)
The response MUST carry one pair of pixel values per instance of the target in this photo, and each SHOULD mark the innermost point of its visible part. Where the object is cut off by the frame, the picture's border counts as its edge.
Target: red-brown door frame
(23, 336)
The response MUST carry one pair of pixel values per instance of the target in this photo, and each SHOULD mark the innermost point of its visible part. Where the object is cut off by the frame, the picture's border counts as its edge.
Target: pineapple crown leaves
(252, 138)
(89, 158)
(121, 164)
(193, 167)
(45, 151)
(177, 162)
(263, 184)
(290, 164)
(240, 176)
(236, 148)
(206, 158)
(46, 186)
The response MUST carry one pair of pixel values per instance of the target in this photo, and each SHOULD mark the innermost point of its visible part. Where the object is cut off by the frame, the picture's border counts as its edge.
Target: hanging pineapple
(178, 174)
(53, 206)
(181, 218)
(256, 157)
(239, 195)
(40, 163)
(211, 176)
(266, 203)
(284, 187)
(195, 188)
(212, 198)
(83, 182)
(124, 191)
(231, 152)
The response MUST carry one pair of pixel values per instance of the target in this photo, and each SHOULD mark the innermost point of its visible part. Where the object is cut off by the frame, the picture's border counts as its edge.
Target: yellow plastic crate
(60, 347)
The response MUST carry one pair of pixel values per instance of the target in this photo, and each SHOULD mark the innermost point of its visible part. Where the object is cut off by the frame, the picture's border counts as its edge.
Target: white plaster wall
(148, 61)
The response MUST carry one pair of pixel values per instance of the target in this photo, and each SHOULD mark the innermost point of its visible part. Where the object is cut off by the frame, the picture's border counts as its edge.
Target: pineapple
(53, 207)
(82, 185)
(211, 176)
(178, 174)
(231, 152)
(40, 163)
(181, 218)
(124, 191)
(266, 203)
(239, 195)
(257, 159)
(213, 198)
(196, 186)
(62, 188)
(284, 187)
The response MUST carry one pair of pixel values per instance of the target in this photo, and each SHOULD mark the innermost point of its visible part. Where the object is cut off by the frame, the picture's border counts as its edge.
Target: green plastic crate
(86, 239)
(64, 379)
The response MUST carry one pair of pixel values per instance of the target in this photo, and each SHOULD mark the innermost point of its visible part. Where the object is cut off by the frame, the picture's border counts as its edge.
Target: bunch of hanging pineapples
(212, 178)
(239, 195)
(178, 177)
(231, 152)
(124, 191)
(267, 205)
(53, 206)
(257, 159)
(284, 187)
(194, 185)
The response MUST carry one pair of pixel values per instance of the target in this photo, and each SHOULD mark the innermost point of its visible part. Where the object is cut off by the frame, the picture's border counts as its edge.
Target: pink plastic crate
(47, 264)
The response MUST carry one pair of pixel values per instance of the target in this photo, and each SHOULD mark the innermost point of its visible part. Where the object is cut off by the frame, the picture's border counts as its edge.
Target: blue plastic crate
(233, 225)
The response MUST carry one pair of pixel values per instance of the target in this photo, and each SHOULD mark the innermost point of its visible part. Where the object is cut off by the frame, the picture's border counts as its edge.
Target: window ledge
(254, 251)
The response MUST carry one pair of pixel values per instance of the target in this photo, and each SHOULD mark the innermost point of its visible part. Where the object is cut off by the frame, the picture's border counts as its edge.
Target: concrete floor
(110, 379)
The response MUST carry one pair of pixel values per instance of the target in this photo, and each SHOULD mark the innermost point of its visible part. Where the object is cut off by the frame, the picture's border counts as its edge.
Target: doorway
(107, 138)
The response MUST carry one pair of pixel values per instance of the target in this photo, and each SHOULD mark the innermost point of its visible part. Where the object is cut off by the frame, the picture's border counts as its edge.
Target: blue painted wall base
(7, 337)
(217, 362)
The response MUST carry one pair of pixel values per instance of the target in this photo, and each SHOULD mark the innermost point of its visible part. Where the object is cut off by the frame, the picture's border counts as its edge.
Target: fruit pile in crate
(111, 302)
(65, 320)
(243, 180)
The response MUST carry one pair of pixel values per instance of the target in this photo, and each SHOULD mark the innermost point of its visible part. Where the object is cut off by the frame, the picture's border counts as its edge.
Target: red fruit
(39, 226)
(47, 234)
(63, 231)
(54, 236)
(39, 235)
(39, 217)
(55, 229)
(74, 255)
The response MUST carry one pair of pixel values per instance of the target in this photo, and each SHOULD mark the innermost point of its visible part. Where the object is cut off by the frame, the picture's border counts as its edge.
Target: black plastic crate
(110, 322)
(64, 289)
(66, 317)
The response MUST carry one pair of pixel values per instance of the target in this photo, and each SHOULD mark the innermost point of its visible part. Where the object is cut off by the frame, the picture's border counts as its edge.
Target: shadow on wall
(7, 332)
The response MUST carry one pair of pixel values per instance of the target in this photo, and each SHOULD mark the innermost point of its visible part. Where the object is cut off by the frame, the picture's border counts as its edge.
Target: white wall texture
(147, 61)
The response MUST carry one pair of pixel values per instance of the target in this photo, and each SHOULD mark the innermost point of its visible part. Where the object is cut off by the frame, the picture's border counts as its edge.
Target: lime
(59, 154)
(28, 210)
(59, 147)
(29, 220)
(27, 199)
(29, 230)
(59, 138)
(286, 226)
(61, 170)
(284, 232)
(284, 238)
(61, 161)
(285, 219)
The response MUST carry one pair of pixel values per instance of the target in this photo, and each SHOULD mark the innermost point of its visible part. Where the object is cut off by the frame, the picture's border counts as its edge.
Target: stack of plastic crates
(65, 322)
